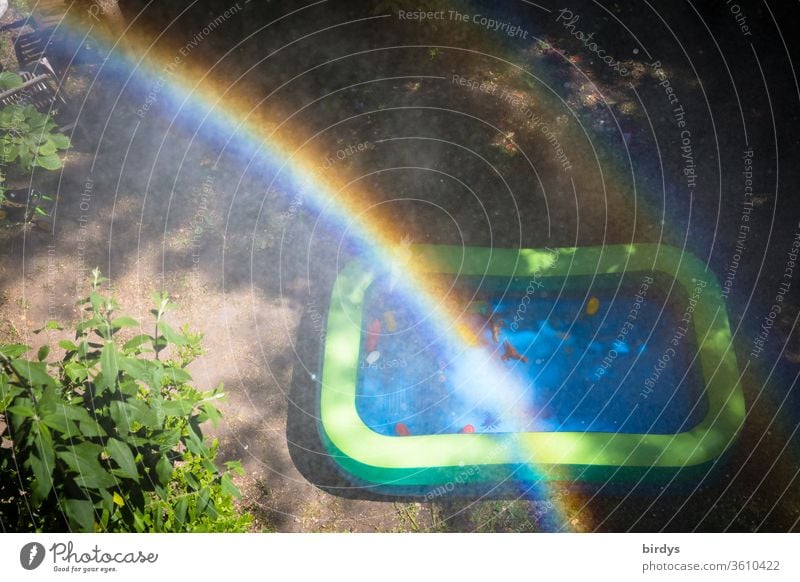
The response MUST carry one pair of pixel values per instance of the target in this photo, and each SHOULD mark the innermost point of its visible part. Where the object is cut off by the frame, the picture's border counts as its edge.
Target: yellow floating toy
(391, 322)
(592, 306)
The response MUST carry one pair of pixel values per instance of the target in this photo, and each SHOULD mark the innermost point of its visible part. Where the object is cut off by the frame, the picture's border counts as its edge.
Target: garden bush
(108, 436)
(28, 138)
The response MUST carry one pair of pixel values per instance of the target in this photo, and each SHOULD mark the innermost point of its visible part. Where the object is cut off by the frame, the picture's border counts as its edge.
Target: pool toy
(669, 410)
(373, 334)
(592, 306)
(391, 322)
(495, 325)
(511, 353)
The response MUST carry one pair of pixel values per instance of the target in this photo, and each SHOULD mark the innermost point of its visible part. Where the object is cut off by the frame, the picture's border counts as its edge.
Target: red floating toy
(373, 333)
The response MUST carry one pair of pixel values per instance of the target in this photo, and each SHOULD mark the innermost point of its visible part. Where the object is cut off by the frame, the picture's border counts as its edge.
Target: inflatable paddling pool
(609, 363)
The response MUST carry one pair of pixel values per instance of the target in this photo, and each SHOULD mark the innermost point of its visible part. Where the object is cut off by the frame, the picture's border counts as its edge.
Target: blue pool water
(554, 361)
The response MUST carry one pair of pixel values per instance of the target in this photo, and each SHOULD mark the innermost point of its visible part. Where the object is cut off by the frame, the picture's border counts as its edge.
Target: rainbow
(192, 98)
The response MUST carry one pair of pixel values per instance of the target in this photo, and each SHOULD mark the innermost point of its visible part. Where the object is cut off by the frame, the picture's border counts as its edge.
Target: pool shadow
(306, 447)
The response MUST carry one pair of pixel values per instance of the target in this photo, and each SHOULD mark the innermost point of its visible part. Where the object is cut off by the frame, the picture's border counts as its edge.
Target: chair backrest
(41, 91)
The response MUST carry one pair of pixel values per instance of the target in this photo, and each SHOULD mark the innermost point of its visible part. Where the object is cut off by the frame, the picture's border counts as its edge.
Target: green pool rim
(428, 460)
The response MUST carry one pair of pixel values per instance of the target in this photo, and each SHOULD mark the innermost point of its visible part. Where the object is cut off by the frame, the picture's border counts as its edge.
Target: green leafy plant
(108, 437)
(28, 138)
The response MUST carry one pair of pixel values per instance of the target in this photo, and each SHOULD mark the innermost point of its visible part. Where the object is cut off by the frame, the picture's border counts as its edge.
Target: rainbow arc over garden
(465, 369)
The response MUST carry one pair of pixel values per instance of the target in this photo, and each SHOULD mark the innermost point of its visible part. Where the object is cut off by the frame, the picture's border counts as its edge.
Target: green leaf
(51, 324)
(109, 365)
(47, 148)
(141, 370)
(202, 499)
(80, 513)
(121, 454)
(9, 80)
(178, 407)
(124, 321)
(180, 509)
(74, 412)
(7, 393)
(139, 411)
(34, 372)
(128, 387)
(169, 439)
(177, 375)
(191, 480)
(135, 342)
(13, 350)
(138, 523)
(120, 416)
(76, 372)
(42, 464)
(41, 355)
(228, 488)
(22, 410)
(84, 353)
(92, 429)
(84, 459)
(57, 421)
(67, 345)
(164, 470)
(235, 466)
(49, 162)
(212, 412)
(60, 140)
(87, 324)
(171, 335)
